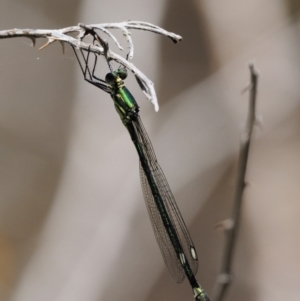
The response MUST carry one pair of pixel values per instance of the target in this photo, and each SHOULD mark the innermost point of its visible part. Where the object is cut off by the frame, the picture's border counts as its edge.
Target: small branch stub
(225, 225)
(224, 279)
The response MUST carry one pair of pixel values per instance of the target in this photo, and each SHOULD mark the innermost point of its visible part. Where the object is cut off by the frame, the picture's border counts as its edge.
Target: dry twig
(63, 36)
(231, 226)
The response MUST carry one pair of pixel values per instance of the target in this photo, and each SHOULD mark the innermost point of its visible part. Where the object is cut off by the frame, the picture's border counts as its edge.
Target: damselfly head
(111, 78)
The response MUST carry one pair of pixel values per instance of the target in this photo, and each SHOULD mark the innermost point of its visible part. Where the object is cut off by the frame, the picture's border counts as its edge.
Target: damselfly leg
(88, 75)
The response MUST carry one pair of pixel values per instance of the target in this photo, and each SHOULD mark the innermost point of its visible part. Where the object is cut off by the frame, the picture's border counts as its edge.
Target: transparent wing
(162, 237)
(160, 232)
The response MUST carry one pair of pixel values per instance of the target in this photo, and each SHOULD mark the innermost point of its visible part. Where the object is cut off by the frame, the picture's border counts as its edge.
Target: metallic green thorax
(125, 103)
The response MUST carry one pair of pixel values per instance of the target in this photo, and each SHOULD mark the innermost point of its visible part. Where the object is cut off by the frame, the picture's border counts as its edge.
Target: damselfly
(171, 233)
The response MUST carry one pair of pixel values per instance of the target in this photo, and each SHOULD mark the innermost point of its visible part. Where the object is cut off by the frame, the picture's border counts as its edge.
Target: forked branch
(231, 226)
(64, 36)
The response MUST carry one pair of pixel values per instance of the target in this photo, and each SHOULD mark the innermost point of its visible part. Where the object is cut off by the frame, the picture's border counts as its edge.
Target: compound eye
(110, 78)
(122, 73)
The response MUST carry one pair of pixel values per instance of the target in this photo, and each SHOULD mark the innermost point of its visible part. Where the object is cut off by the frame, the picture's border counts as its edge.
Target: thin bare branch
(64, 36)
(225, 277)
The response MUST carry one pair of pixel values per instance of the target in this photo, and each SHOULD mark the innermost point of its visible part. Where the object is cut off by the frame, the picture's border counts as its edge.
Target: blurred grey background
(73, 224)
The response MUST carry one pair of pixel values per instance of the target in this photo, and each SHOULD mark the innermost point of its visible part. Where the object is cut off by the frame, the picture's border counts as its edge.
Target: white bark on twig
(63, 36)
